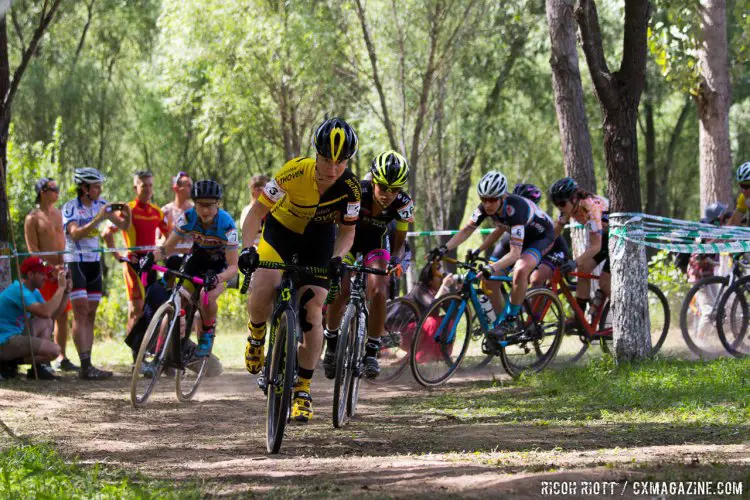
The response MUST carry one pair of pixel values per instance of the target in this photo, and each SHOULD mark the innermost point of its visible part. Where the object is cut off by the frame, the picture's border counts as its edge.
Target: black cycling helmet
(336, 140)
(206, 189)
(390, 169)
(563, 190)
(528, 191)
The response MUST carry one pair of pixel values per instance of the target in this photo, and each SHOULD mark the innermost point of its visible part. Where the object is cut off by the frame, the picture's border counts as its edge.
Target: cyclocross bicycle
(598, 328)
(350, 347)
(279, 373)
(445, 330)
(166, 343)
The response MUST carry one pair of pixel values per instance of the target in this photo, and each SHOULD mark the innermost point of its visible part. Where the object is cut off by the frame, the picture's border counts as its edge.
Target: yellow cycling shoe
(302, 409)
(254, 349)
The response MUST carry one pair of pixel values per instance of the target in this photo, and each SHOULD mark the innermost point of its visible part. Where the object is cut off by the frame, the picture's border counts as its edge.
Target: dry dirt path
(388, 450)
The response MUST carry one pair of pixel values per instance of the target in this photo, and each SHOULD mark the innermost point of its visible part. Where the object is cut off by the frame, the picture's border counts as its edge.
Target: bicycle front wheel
(698, 316)
(281, 372)
(151, 355)
(732, 319)
(189, 378)
(659, 317)
(441, 340)
(344, 357)
(536, 345)
(357, 362)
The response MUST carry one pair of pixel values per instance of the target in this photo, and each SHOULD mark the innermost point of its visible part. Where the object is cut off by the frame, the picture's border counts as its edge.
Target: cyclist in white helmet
(492, 188)
(743, 200)
(81, 218)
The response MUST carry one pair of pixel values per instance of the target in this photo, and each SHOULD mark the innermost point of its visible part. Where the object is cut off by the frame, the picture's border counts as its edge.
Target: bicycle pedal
(262, 384)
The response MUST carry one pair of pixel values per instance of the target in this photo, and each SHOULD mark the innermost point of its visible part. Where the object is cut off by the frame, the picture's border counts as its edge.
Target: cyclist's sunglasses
(744, 185)
(389, 189)
(488, 199)
(54, 189)
(561, 203)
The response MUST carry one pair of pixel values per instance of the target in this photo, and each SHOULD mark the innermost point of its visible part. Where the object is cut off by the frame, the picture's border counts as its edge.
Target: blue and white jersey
(75, 211)
(219, 236)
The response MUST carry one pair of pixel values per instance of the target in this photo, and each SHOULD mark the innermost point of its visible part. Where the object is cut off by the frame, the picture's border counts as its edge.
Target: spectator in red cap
(22, 304)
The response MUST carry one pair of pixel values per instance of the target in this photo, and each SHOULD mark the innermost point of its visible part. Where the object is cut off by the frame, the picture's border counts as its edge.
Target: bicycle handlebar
(194, 279)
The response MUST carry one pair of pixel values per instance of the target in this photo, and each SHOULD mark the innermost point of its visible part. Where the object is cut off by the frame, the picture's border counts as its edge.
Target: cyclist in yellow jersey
(743, 179)
(303, 201)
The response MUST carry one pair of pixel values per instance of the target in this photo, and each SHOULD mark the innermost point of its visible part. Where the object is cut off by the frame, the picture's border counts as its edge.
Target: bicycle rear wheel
(441, 340)
(536, 345)
(659, 317)
(732, 319)
(151, 355)
(402, 318)
(188, 379)
(344, 356)
(281, 372)
(698, 316)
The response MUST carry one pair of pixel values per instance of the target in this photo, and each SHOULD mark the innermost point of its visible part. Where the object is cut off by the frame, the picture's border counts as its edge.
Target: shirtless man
(181, 185)
(43, 230)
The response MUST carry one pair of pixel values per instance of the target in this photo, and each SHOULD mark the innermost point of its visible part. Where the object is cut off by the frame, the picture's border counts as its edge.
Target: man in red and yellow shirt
(145, 220)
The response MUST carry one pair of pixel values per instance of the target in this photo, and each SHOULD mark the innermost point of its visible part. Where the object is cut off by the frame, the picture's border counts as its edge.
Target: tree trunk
(569, 105)
(629, 287)
(662, 201)
(619, 95)
(652, 180)
(713, 101)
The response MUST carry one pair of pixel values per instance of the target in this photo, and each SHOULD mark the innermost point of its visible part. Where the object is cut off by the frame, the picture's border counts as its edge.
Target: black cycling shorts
(603, 254)
(87, 280)
(313, 248)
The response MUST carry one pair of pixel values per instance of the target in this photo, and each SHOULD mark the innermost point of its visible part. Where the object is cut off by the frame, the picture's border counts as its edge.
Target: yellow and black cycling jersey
(294, 200)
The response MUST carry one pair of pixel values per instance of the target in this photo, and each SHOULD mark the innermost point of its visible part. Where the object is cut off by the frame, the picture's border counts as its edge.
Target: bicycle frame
(559, 285)
(469, 294)
(174, 326)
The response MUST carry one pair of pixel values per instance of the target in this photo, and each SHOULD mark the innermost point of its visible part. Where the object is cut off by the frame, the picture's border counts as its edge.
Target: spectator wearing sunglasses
(43, 231)
(23, 309)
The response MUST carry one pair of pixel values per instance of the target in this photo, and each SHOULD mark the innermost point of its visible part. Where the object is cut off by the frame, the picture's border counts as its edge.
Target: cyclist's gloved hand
(147, 262)
(335, 269)
(486, 271)
(473, 255)
(210, 281)
(248, 260)
(437, 253)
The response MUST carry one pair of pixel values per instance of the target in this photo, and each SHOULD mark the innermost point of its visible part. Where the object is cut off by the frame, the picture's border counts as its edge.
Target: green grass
(36, 471)
(662, 391)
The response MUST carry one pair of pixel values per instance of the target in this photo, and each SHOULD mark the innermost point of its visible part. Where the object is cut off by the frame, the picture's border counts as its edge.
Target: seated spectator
(22, 304)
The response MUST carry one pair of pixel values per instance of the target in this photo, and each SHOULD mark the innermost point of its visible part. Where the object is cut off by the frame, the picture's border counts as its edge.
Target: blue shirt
(219, 236)
(11, 310)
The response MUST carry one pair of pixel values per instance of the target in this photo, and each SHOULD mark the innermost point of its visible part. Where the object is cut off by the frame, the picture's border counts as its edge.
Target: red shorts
(133, 283)
(48, 291)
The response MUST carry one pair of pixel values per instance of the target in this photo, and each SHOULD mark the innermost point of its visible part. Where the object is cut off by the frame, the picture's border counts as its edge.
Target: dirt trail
(220, 438)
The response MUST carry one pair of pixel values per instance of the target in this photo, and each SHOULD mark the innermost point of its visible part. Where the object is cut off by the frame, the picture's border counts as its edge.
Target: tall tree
(713, 101)
(569, 104)
(619, 94)
(8, 89)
